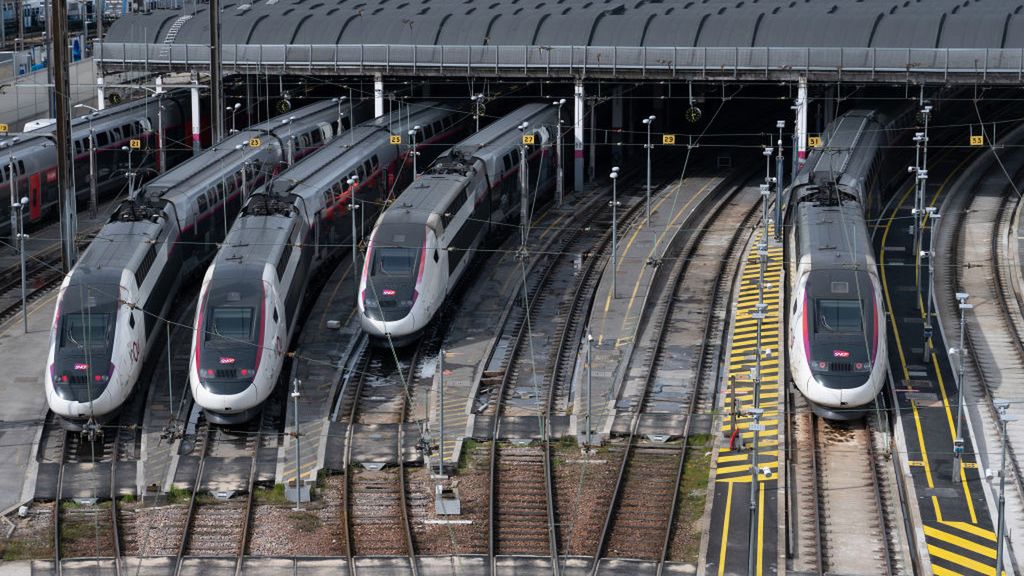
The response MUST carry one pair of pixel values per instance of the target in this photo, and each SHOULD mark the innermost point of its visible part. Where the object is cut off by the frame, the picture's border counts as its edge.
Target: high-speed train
(34, 155)
(121, 289)
(837, 333)
(253, 292)
(424, 242)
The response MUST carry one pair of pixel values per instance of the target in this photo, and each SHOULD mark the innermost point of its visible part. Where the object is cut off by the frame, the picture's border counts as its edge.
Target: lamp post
(755, 425)
(933, 218)
(779, 182)
(615, 225)
(233, 110)
(647, 122)
(352, 181)
(130, 174)
(298, 461)
(93, 191)
(291, 141)
(590, 374)
(958, 442)
(1002, 406)
(20, 207)
(560, 182)
(478, 108)
(412, 149)
(341, 114)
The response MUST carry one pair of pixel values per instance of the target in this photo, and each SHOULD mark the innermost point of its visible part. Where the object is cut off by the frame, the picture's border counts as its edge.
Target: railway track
(978, 228)
(528, 389)
(642, 510)
(844, 522)
(218, 520)
(376, 514)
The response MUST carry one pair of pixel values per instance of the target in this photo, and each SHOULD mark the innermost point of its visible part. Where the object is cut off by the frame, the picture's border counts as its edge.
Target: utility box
(446, 501)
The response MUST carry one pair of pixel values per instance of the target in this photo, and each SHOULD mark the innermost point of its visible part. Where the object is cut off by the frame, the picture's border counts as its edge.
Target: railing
(994, 65)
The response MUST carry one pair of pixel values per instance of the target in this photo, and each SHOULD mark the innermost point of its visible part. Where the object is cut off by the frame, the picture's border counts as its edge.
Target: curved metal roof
(712, 23)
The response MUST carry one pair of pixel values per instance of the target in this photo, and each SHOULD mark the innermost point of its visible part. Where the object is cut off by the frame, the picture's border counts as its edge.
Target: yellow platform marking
(972, 529)
(969, 563)
(960, 542)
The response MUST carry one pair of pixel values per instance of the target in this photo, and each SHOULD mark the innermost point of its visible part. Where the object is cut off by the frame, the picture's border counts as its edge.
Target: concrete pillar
(801, 122)
(378, 95)
(617, 121)
(593, 140)
(101, 96)
(196, 147)
(577, 125)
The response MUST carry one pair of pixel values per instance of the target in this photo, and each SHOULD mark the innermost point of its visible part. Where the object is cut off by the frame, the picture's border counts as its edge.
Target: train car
(422, 245)
(123, 285)
(837, 331)
(32, 158)
(252, 294)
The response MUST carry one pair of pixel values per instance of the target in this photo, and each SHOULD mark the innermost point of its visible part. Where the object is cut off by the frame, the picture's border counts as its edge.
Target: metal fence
(768, 63)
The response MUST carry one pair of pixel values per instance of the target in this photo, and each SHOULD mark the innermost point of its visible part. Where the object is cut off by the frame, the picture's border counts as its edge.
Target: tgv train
(253, 292)
(837, 334)
(423, 243)
(121, 289)
(34, 155)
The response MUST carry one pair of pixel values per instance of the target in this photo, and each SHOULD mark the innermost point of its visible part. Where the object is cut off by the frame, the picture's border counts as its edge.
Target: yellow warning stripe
(933, 532)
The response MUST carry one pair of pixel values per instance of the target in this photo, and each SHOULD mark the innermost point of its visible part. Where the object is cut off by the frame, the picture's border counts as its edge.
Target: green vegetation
(469, 446)
(693, 492)
(304, 521)
(26, 547)
(177, 495)
(128, 498)
(273, 495)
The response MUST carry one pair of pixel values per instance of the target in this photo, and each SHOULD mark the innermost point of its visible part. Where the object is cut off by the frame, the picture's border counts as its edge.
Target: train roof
(199, 170)
(348, 150)
(119, 245)
(429, 194)
(834, 235)
(255, 241)
(503, 129)
(842, 138)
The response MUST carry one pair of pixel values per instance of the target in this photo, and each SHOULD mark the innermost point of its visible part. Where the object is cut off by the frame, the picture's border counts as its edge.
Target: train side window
(201, 201)
(374, 161)
(282, 263)
(515, 157)
(21, 167)
(508, 162)
(367, 168)
(145, 265)
(102, 139)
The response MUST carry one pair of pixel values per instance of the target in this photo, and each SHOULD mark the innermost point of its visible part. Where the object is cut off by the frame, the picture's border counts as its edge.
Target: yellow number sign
(668, 138)
(3, 129)
(977, 140)
(528, 139)
(396, 139)
(135, 143)
(255, 142)
(814, 141)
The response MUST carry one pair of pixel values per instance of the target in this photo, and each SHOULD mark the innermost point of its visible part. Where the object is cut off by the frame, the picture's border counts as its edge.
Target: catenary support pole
(101, 94)
(801, 121)
(378, 95)
(577, 149)
(216, 75)
(196, 145)
(62, 89)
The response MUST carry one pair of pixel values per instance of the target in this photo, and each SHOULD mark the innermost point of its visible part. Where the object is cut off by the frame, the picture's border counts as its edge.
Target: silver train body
(34, 155)
(837, 330)
(110, 306)
(252, 294)
(424, 242)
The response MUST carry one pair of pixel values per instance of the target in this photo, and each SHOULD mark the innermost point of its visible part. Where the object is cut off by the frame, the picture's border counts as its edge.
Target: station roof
(925, 24)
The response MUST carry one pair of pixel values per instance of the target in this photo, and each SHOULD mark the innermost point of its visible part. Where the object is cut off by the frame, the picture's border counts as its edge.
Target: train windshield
(230, 323)
(395, 261)
(839, 316)
(81, 330)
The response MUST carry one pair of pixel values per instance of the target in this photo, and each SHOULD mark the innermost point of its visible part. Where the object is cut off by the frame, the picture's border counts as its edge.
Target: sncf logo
(80, 366)
(840, 354)
(389, 292)
(227, 360)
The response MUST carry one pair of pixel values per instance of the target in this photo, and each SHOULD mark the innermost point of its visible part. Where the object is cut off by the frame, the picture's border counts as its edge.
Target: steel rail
(688, 239)
(191, 513)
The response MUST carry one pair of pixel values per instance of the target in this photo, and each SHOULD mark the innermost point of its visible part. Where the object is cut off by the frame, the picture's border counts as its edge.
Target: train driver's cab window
(395, 261)
(839, 316)
(230, 323)
(85, 329)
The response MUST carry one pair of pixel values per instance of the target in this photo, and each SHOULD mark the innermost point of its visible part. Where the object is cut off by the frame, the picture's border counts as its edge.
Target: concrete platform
(615, 318)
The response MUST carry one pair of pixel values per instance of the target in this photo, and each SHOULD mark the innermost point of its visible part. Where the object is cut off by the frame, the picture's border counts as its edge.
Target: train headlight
(822, 365)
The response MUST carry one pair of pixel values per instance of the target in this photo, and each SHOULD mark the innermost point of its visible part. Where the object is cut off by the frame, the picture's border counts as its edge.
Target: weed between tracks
(273, 495)
(693, 492)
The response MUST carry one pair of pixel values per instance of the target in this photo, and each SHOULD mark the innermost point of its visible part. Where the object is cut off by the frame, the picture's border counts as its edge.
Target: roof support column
(801, 122)
(577, 126)
(378, 95)
(195, 117)
(101, 96)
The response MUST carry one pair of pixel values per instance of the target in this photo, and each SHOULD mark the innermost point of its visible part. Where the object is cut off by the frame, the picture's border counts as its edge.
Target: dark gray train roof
(834, 236)
(477, 144)
(117, 246)
(712, 23)
(255, 241)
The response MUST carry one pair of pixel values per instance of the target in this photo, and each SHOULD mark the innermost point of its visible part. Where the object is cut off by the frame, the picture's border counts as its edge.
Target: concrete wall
(26, 99)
